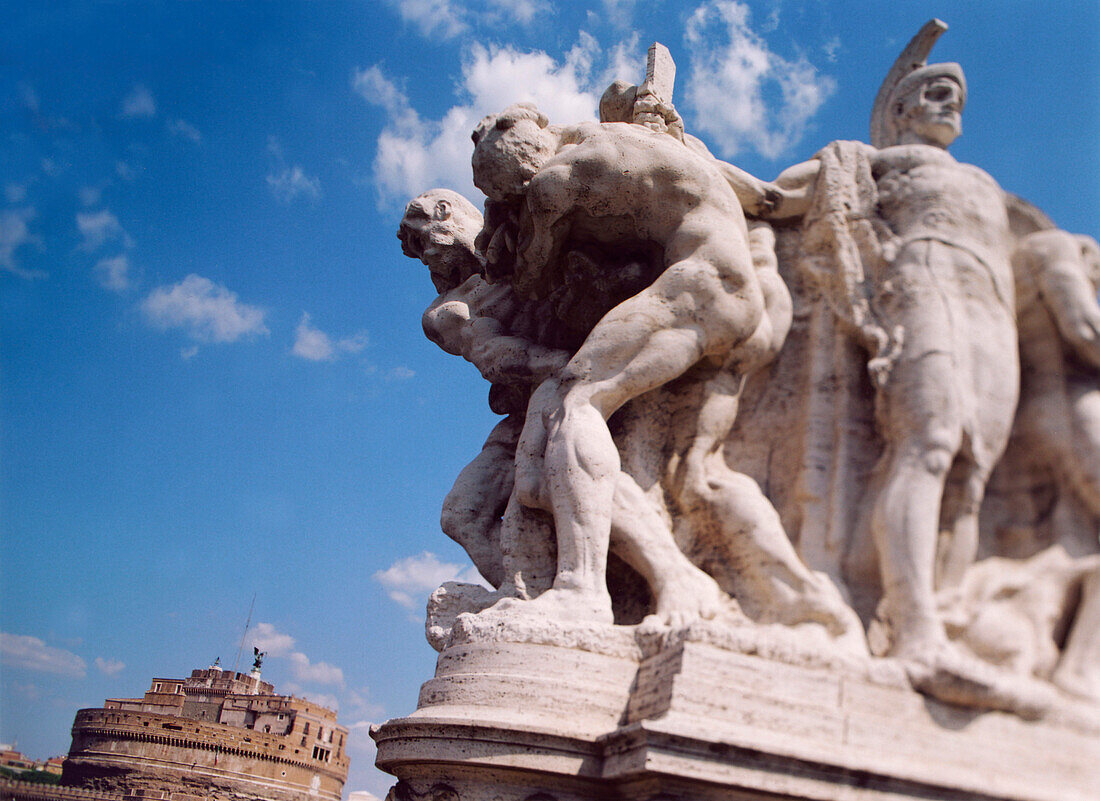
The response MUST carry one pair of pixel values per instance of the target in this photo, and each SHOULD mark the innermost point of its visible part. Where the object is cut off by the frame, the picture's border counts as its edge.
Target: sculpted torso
(924, 193)
(618, 174)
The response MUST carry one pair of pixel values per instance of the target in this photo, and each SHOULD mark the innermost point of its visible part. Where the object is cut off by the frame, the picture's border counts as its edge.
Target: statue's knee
(937, 460)
(934, 449)
(528, 488)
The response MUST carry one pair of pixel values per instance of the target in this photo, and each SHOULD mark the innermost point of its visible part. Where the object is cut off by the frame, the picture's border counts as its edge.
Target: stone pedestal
(712, 713)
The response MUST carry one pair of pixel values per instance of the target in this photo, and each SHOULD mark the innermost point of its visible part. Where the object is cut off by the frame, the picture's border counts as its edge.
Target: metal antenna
(245, 632)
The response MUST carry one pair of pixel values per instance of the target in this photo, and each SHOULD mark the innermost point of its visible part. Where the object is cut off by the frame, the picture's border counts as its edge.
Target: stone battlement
(183, 733)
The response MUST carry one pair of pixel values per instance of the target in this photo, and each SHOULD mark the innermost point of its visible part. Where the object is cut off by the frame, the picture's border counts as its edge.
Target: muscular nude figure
(1058, 420)
(606, 184)
(479, 321)
(1057, 277)
(474, 319)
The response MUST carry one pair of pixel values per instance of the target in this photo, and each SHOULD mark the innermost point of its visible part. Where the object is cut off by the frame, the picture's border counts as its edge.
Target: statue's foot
(692, 595)
(944, 671)
(565, 604)
(841, 621)
(821, 605)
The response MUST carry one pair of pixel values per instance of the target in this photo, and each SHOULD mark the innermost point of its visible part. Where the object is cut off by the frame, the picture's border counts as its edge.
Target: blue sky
(213, 382)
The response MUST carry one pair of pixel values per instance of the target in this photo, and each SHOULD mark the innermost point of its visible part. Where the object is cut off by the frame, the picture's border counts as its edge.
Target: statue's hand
(658, 115)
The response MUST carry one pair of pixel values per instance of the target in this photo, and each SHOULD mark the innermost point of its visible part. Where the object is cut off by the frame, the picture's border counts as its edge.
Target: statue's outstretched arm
(503, 358)
(787, 196)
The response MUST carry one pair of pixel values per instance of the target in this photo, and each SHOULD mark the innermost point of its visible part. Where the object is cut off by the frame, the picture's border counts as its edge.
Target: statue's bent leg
(473, 508)
(642, 539)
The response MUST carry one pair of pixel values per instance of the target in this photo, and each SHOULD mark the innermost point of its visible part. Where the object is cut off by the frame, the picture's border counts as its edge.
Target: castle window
(156, 687)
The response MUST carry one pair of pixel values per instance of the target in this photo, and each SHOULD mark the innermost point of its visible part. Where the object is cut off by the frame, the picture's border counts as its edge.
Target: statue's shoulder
(903, 158)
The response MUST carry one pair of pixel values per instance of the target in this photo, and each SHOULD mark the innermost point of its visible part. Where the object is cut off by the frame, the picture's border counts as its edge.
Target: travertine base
(712, 714)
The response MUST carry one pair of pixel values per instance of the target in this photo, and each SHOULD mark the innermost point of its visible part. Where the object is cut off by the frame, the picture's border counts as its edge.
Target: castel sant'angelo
(215, 735)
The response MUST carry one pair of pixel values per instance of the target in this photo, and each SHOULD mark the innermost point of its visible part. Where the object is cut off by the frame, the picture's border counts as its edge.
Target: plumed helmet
(909, 72)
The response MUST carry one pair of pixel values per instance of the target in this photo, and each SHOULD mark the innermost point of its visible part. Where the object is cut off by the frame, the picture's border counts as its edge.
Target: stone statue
(484, 324)
(937, 313)
(1058, 418)
(807, 468)
(620, 303)
(705, 311)
(489, 326)
(1033, 606)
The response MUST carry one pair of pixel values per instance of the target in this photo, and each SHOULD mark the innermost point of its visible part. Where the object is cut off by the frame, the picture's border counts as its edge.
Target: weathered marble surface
(537, 712)
(844, 425)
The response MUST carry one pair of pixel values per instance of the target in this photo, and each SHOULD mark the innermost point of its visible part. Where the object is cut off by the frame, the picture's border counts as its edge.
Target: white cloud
(312, 343)
(270, 640)
(360, 703)
(139, 103)
(109, 667)
(732, 68)
(363, 795)
(292, 182)
(433, 17)
(497, 77)
(377, 89)
(124, 171)
(208, 312)
(620, 12)
(14, 234)
(521, 11)
(415, 154)
(315, 672)
(315, 345)
(31, 653)
(360, 741)
(114, 273)
(626, 62)
(15, 193)
(89, 195)
(28, 692)
(446, 19)
(185, 129)
(100, 227)
(410, 580)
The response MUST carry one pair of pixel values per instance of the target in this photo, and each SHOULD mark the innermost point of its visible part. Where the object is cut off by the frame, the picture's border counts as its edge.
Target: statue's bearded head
(926, 107)
(439, 228)
(509, 148)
